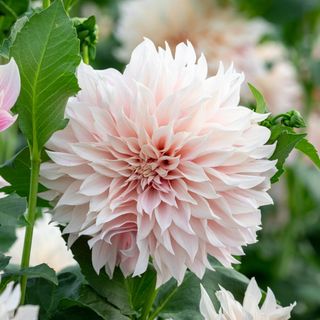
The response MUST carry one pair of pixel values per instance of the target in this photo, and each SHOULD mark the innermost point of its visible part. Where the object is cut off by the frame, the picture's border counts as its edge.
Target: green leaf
(130, 295)
(68, 298)
(4, 261)
(16, 28)
(47, 53)
(89, 298)
(261, 106)
(182, 302)
(10, 10)
(12, 209)
(48, 296)
(39, 271)
(309, 150)
(17, 172)
(7, 238)
(286, 142)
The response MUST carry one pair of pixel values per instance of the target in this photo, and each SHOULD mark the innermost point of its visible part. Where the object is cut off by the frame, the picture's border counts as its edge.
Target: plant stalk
(85, 54)
(31, 216)
(149, 305)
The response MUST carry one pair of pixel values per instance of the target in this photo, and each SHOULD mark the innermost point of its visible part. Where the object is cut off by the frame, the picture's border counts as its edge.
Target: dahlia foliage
(131, 191)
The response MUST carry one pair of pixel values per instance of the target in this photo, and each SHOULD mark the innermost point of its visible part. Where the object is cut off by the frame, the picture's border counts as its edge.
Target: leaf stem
(32, 207)
(162, 305)
(45, 4)
(147, 310)
(85, 54)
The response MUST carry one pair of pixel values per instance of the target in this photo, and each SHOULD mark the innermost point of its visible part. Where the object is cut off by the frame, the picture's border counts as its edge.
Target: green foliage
(7, 238)
(47, 53)
(309, 150)
(129, 295)
(17, 172)
(182, 302)
(7, 43)
(286, 142)
(88, 34)
(261, 106)
(4, 261)
(10, 10)
(132, 296)
(12, 209)
(40, 271)
(70, 298)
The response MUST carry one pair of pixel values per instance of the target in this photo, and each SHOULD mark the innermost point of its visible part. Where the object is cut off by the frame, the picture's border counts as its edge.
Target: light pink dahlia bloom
(9, 92)
(160, 161)
(231, 309)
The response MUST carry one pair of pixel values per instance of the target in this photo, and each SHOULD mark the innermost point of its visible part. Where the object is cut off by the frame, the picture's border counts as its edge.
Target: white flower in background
(222, 34)
(9, 305)
(314, 129)
(278, 79)
(47, 246)
(160, 161)
(103, 18)
(231, 309)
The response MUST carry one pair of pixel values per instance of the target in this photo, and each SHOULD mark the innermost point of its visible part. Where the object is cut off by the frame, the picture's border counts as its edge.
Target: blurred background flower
(48, 246)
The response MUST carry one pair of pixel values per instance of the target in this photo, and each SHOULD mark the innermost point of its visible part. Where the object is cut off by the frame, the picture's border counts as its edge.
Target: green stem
(45, 4)
(162, 305)
(85, 54)
(32, 207)
(149, 305)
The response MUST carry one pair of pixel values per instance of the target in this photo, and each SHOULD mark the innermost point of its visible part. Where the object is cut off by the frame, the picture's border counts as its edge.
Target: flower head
(231, 309)
(160, 161)
(9, 305)
(222, 34)
(9, 92)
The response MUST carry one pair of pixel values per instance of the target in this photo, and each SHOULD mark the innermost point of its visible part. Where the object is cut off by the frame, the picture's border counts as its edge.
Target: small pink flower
(9, 92)
(160, 161)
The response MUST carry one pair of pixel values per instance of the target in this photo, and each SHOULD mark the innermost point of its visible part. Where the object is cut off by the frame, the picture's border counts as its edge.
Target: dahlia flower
(160, 162)
(9, 305)
(9, 92)
(222, 34)
(48, 246)
(231, 309)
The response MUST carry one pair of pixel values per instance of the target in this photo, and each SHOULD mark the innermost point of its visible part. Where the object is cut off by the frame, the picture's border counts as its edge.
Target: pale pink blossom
(222, 34)
(9, 92)
(231, 309)
(160, 162)
(9, 305)
(48, 246)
